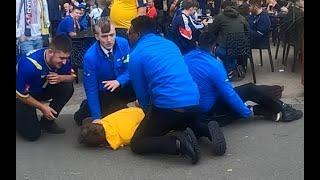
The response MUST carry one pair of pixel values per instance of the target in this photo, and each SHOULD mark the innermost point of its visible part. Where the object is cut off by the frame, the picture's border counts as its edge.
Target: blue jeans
(229, 64)
(29, 45)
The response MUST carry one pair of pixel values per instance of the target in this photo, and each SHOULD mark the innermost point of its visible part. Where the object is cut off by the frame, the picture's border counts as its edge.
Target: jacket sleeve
(220, 80)
(123, 78)
(46, 13)
(259, 28)
(19, 25)
(90, 83)
(139, 81)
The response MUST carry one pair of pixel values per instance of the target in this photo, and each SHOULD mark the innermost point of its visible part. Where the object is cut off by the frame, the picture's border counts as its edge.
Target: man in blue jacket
(165, 90)
(259, 23)
(105, 75)
(221, 102)
(70, 24)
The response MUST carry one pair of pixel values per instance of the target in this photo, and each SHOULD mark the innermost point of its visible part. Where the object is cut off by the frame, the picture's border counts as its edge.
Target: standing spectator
(54, 16)
(66, 10)
(217, 7)
(151, 10)
(259, 23)
(123, 11)
(70, 24)
(95, 13)
(32, 20)
(83, 17)
(106, 10)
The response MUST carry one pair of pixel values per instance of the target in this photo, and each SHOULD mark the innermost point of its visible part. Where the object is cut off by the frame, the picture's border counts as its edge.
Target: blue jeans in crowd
(229, 63)
(29, 45)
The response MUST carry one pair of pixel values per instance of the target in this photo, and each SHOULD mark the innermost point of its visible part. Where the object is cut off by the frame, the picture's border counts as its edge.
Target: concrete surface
(256, 149)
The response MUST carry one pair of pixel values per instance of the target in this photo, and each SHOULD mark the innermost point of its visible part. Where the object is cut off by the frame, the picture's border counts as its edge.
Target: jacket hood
(231, 12)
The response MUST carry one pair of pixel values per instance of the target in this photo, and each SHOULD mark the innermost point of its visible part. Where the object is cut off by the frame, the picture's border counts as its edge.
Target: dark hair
(206, 40)
(92, 134)
(103, 24)
(187, 4)
(228, 3)
(62, 43)
(143, 24)
(257, 3)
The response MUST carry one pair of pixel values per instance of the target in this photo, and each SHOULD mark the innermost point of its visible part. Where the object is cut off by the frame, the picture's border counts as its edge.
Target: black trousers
(260, 94)
(152, 135)
(111, 102)
(27, 123)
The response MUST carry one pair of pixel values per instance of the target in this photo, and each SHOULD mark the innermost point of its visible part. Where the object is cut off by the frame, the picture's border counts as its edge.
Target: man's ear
(96, 36)
(50, 51)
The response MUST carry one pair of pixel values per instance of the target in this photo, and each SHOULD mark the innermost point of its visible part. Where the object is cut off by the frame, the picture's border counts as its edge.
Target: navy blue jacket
(259, 26)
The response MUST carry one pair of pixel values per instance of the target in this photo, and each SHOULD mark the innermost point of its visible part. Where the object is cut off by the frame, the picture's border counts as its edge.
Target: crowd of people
(176, 74)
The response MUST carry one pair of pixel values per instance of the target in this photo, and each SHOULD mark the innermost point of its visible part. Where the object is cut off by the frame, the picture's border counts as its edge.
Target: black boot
(188, 145)
(50, 126)
(82, 113)
(219, 145)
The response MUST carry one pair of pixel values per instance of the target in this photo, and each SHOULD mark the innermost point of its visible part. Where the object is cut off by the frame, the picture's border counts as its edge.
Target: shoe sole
(193, 140)
(218, 141)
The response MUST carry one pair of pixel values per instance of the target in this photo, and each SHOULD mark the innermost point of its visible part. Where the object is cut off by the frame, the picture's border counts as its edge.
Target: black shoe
(259, 110)
(189, 145)
(217, 138)
(82, 113)
(51, 127)
(289, 113)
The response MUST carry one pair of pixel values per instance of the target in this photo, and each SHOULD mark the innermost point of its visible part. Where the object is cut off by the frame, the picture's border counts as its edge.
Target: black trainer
(51, 127)
(259, 110)
(219, 144)
(82, 113)
(189, 145)
(289, 113)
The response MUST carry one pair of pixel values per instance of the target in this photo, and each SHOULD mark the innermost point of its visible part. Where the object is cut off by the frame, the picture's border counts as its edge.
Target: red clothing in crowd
(152, 12)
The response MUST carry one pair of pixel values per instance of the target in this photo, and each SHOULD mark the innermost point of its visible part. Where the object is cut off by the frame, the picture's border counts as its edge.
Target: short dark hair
(61, 42)
(143, 24)
(257, 3)
(92, 134)
(103, 24)
(187, 4)
(206, 40)
(228, 3)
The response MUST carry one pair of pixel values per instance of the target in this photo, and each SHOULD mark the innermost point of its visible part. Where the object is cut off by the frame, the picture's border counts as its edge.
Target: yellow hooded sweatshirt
(121, 125)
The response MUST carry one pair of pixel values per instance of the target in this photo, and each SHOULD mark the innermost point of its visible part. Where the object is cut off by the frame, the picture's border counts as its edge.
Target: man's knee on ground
(135, 147)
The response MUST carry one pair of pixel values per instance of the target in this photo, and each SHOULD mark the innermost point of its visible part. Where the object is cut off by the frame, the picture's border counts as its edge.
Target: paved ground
(257, 150)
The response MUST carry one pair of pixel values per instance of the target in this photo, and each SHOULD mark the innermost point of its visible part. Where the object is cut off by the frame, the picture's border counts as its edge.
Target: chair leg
(77, 75)
(295, 52)
(287, 54)
(284, 52)
(277, 49)
(252, 69)
(261, 62)
(270, 59)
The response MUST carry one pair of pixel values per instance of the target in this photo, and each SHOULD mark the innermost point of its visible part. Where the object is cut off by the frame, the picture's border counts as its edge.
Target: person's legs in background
(203, 7)
(230, 64)
(26, 46)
